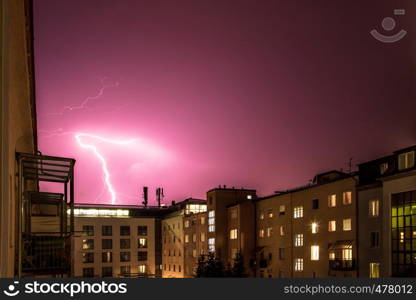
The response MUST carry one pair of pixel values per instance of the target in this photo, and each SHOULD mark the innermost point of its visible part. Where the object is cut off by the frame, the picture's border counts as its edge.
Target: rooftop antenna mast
(350, 165)
(159, 196)
(145, 196)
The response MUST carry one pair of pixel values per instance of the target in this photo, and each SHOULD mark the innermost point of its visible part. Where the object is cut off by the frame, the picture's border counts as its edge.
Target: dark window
(107, 257)
(44, 210)
(107, 230)
(88, 257)
(141, 255)
(315, 203)
(88, 230)
(141, 230)
(107, 244)
(124, 230)
(281, 253)
(125, 269)
(87, 272)
(124, 256)
(107, 272)
(124, 243)
(374, 239)
(270, 256)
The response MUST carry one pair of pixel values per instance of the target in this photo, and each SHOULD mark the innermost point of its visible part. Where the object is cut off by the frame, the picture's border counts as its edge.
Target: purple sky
(192, 94)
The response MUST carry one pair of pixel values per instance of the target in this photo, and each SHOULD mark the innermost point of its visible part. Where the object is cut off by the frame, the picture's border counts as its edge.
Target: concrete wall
(17, 116)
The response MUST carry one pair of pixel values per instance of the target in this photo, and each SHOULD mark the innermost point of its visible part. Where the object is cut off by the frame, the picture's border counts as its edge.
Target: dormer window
(383, 168)
(406, 160)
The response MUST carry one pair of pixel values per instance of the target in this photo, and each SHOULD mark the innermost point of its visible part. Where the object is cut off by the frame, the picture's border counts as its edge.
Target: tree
(238, 269)
(209, 266)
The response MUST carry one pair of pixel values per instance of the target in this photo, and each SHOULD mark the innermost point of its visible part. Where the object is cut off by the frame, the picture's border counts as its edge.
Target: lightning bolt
(101, 158)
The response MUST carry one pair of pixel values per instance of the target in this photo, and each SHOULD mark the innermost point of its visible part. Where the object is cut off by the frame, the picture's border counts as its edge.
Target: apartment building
(387, 215)
(309, 231)
(178, 254)
(118, 241)
(195, 234)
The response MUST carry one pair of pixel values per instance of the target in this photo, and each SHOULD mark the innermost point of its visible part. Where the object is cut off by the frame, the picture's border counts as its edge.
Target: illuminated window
(332, 226)
(194, 238)
(211, 228)
(107, 257)
(299, 240)
(142, 243)
(186, 223)
(124, 256)
(269, 231)
(282, 210)
(270, 213)
(347, 198)
(202, 237)
(88, 257)
(88, 244)
(261, 216)
(249, 197)
(314, 227)
(194, 253)
(346, 225)
(141, 255)
(261, 233)
(211, 213)
(314, 252)
(202, 220)
(298, 212)
(401, 237)
(211, 221)
(332, 200)
(211, 244)
(142, 269)
(282, 230)
(195, 208)
(374, 208)
(331, 255)
(374, 270)
(298, 264)
(406, 160)
(347, 253)
(383, 168)
(234, 252)
(186, 238)
(233, 234)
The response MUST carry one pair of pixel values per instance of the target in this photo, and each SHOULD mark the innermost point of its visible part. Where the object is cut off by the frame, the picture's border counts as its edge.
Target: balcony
(342, 265)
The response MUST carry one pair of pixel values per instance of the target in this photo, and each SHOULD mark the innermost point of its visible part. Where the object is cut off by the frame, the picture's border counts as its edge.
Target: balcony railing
(342, 265)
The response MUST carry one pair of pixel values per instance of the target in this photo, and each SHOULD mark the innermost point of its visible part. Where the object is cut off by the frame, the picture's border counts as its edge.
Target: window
(347, 253)
(186, 223)
(87, 257)
(193, 253)
(87, 272)
(331, 255)
(314, 227)
(261, 233)
(314, 252)
(233, 213)
(107, 271)
(107, 230)
(88, 244)
(233, 234)
(315, 203)
(211, 244)
(374, 208)
(211, 228)
(374, 270)
(281, 253)
(124, 230)
(347, 198)
(282, 210)
(125, 256)
(202, 237)
(107, 244)
(107, 257)
(142, 243)
(141, 255)
(282, 230)
(346, 225)
(299, 240)
(125, 270)
(270, 213)
(249, 197)
(383, 168)
(374, 239)
(298, 212)
(406, 160)
(211, 221)
(142, 269)
(202, 220)
(332, 200)
(124, 243)
(186, 238)
(234, 252)
(261, 216)
(88, 230)
(298, 264)
(141, 230)
(332, 226)
(269, 231)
